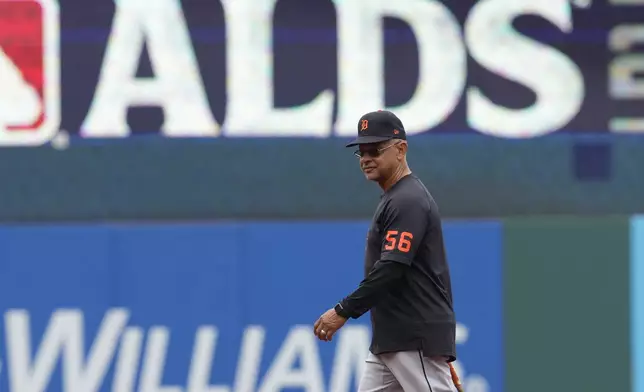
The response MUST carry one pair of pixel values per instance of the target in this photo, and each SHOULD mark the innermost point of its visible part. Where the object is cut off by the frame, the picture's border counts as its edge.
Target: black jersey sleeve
(405, 221)
(382, 277)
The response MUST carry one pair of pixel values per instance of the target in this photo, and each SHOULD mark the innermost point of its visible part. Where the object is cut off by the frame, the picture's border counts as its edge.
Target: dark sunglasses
(373, 153)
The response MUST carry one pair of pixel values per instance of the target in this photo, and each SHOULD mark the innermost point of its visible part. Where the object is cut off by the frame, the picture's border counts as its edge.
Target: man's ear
(402, 149)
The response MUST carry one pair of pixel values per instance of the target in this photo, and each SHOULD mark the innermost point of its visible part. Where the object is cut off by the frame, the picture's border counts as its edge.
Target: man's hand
(328, 324)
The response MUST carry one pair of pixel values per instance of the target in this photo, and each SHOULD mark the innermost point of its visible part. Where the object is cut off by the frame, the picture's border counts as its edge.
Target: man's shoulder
(410, 190)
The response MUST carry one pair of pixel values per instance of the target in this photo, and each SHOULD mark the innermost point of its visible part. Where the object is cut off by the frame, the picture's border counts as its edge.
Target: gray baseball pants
(406, 371)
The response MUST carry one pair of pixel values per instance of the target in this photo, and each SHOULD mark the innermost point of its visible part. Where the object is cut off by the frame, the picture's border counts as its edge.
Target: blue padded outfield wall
(188, 307)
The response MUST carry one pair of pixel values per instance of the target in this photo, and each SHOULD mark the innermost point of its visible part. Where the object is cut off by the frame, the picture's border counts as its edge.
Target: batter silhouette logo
(29, 72)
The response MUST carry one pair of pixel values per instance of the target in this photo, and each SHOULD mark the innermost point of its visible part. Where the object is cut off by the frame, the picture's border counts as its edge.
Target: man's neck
(395, 177)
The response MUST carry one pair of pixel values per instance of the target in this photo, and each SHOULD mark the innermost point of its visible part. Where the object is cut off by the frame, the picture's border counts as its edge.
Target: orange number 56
(403, 242)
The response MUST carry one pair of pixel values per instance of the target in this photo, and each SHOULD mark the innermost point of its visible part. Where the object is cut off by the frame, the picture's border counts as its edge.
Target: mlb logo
(29, 72)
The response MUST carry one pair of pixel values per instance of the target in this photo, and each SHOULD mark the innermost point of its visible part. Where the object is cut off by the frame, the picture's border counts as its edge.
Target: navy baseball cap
(378, 126)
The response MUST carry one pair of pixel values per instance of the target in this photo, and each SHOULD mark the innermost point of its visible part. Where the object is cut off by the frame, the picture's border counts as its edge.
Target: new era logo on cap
(378, 126)
(29, 72)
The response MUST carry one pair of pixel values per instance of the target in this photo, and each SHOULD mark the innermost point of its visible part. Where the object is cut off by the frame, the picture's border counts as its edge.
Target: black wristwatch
(341, 312)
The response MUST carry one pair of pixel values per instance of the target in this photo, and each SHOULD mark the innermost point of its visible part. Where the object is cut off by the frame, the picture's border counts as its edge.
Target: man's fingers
(327, 332)
(319, 328)
(330, 333)
(322, 331)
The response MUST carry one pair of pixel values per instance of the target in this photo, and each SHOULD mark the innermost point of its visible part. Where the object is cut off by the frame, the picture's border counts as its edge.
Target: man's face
(378, 160)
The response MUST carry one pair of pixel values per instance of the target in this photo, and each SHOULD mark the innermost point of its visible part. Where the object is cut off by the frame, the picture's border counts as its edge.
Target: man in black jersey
(407, 286)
